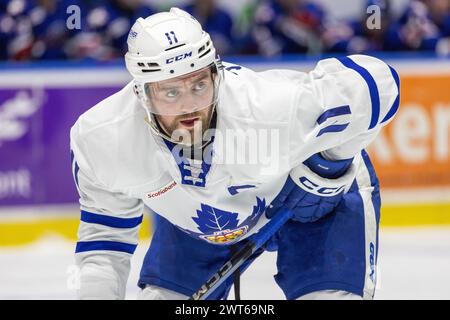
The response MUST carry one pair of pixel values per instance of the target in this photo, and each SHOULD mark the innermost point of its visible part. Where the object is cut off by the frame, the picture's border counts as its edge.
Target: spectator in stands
(440, 14)
(363, 35)
(417, 29)
(243, 25)
(107, 26)
(439, 11)
(216, 21)
(288, 26)
(51, 34)
(16, 34)
(36, 29)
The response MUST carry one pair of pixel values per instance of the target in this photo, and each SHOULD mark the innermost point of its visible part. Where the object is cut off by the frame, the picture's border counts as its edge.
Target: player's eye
(199, 86)
(172, 93)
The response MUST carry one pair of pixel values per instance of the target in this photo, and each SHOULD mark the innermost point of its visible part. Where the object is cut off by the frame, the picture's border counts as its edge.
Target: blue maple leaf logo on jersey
(222, 227)
(211, 219)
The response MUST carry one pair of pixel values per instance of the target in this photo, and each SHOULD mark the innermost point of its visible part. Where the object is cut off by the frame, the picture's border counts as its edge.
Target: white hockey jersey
(120, 166)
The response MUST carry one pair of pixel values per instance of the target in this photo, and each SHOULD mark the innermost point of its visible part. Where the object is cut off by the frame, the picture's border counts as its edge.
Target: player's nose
(188, 103)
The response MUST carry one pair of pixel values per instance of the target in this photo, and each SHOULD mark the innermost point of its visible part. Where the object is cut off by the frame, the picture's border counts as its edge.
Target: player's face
(183, 105)
(188, 126)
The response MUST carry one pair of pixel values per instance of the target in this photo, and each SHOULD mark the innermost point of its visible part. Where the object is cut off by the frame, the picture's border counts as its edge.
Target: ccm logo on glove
(308, 184)
(314, 188)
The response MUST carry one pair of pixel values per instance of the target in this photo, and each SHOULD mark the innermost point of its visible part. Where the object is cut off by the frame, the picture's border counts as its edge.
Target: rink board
(24, 229)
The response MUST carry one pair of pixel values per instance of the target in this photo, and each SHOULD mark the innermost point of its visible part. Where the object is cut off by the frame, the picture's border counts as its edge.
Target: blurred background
(58, 58)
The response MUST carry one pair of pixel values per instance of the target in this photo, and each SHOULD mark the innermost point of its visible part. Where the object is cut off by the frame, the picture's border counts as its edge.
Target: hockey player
(162, 142)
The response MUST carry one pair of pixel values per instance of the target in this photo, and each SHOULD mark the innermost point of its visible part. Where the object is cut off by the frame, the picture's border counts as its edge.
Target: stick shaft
(258, 240)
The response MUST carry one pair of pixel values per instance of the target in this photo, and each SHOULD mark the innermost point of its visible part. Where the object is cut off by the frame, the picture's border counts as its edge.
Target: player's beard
(185, 135)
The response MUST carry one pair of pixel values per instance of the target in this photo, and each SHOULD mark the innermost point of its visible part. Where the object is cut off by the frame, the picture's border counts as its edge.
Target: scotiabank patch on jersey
(222, 227)
(161, 191)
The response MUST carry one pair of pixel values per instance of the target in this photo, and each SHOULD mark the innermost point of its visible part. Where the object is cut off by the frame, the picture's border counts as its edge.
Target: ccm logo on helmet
(179, 57)
(320, 190)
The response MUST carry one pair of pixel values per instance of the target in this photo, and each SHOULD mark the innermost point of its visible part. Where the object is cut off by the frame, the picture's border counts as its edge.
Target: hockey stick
(259, 239)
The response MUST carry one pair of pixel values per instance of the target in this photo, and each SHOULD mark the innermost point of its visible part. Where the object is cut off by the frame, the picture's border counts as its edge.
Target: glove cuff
(330, 169)
(313, 183)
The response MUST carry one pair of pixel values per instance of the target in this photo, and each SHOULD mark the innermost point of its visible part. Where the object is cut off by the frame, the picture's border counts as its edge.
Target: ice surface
(414, 263)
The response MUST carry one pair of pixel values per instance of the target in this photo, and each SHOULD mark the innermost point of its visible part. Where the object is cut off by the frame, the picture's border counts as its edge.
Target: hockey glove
(314, 188)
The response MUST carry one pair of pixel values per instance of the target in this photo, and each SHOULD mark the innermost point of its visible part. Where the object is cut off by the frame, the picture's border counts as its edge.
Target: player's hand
(309, 194)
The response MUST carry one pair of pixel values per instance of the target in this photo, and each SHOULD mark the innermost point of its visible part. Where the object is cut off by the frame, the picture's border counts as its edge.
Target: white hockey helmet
(167, 45)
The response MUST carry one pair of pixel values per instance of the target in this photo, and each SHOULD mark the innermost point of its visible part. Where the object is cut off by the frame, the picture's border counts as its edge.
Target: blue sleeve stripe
(396, 104)
(334, 112)
(333, 128)
(109, 221)
(76, 169)
(373, 90)
(83, 246)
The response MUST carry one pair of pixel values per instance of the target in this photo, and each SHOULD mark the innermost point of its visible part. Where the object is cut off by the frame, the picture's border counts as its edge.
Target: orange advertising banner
(413, 150)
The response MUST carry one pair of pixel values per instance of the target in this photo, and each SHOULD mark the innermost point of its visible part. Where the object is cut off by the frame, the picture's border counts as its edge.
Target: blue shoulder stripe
(373, 90)
(109, 221)
(333, 128)
(396, 104)
(334, 112)
(83, 246)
